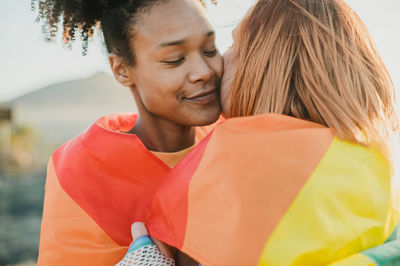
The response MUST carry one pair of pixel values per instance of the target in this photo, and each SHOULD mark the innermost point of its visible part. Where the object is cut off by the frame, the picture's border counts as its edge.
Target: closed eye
(174, 62)
(211, 53)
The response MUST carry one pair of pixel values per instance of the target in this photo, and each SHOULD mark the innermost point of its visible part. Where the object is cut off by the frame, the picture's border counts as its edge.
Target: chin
(206, 118)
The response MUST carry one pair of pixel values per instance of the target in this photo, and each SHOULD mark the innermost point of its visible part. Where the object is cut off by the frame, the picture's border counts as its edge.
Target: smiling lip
(203, 97)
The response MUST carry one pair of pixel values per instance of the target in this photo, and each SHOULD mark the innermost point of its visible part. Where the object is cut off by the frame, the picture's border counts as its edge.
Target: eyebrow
(180, 42)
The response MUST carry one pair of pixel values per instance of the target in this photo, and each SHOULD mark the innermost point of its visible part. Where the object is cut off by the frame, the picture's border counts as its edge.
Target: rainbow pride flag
(97, 185)
(275, 190)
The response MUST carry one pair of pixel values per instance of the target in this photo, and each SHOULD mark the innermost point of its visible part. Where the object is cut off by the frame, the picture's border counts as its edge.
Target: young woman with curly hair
(101, 181)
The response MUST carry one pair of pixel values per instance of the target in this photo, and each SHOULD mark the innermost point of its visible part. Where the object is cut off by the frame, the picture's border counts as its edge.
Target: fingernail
(138, 229)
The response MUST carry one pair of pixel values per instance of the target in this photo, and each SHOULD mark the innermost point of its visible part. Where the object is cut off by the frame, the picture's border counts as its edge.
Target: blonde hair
(315, 60)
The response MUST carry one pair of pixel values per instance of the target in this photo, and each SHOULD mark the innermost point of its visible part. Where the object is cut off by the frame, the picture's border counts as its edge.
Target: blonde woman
(303, 172)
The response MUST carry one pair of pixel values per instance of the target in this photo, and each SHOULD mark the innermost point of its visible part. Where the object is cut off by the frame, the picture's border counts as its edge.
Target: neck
(159, 134)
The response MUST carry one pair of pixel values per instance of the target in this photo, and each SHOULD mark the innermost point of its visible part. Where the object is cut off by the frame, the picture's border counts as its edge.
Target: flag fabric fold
(276, 190)
(97, 185)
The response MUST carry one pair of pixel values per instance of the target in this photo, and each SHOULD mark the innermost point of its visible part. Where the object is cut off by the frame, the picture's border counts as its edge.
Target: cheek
(227, 80)
(161, 83)
(217, 65)
(157, 89)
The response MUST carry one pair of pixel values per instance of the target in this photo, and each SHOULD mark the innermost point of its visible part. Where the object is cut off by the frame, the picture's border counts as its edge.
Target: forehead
(173, 20)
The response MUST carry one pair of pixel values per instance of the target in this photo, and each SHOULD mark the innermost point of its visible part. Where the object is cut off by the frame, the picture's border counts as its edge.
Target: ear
(121, 71)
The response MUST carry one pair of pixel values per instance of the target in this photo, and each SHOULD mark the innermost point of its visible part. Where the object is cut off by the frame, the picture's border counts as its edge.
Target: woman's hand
(143, 251)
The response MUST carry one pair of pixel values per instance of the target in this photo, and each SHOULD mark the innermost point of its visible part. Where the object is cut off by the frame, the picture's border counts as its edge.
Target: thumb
(138, 229)
(143, 251)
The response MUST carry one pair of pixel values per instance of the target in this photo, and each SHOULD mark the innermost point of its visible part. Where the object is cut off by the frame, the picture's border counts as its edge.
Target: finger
(140, 237)
(138, 229)
(143, 251)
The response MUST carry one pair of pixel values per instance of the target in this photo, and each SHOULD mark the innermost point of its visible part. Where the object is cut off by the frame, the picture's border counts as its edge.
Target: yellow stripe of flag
(342, 210)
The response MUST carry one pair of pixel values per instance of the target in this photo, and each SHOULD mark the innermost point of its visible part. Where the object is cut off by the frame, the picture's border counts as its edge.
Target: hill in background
(61, 111)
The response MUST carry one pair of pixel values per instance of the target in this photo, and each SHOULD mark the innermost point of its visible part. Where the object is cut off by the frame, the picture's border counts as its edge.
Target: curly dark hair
(115, 18)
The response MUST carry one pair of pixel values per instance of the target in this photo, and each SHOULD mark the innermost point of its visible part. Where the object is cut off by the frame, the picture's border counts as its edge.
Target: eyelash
(175, 63)
(211, 53)
(180, 60)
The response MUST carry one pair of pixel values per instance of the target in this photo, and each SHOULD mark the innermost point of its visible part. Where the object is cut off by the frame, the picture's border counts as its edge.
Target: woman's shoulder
(287, 136)
(269, 123)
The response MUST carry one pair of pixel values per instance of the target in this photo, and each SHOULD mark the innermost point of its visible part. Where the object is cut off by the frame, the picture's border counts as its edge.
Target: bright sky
(29, 63)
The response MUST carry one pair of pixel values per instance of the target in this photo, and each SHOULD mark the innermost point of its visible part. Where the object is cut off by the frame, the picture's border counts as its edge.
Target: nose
(201, 72)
